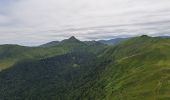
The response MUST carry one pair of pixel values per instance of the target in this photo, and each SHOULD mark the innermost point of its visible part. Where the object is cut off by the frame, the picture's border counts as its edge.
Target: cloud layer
(33, 22)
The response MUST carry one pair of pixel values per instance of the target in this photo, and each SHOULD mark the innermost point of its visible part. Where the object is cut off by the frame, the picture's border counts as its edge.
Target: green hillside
(136, 69)
(140, 71)
(11, 54)
(50, 78)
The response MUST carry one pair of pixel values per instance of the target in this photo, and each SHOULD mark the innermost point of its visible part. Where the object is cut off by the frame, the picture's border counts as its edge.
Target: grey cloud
(39, 21)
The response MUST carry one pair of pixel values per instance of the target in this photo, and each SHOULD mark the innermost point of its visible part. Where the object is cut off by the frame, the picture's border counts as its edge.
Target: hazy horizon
(128, 37)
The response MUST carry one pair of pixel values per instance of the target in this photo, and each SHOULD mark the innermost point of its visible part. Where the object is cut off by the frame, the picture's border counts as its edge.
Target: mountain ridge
(11, 54)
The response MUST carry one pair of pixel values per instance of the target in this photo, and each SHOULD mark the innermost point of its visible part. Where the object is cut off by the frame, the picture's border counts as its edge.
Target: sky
(34, 22)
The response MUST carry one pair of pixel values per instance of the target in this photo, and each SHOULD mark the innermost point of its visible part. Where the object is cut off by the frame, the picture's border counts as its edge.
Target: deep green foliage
(51, 78)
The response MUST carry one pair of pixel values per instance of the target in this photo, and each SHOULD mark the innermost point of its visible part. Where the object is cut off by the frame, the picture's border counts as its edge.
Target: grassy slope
(140, 70)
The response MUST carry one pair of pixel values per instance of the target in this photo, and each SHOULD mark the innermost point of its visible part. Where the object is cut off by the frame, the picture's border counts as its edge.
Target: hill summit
(71, 39)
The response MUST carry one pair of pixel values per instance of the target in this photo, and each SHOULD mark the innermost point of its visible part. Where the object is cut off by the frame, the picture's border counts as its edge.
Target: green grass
(139, 71)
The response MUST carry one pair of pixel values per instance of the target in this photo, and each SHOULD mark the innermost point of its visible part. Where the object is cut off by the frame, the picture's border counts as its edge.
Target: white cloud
(44, 20)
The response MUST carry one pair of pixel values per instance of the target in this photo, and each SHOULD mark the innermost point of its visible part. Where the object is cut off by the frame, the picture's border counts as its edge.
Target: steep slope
(139, 70)
(51, 78)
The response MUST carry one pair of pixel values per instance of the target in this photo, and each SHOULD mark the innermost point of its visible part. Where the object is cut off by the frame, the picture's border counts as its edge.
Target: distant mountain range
(73, 39)
(136, 68)
(113, 41)
(10, 54)
(107, 42)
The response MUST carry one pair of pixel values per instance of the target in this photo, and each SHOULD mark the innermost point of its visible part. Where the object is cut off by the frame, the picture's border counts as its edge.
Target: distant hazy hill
(119, 40)
(50, 44)
(113, 41)
(165, 36)
(136, 69)
(73, 39)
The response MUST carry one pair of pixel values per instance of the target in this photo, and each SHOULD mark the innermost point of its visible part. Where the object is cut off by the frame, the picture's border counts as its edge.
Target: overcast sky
(33, 22)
